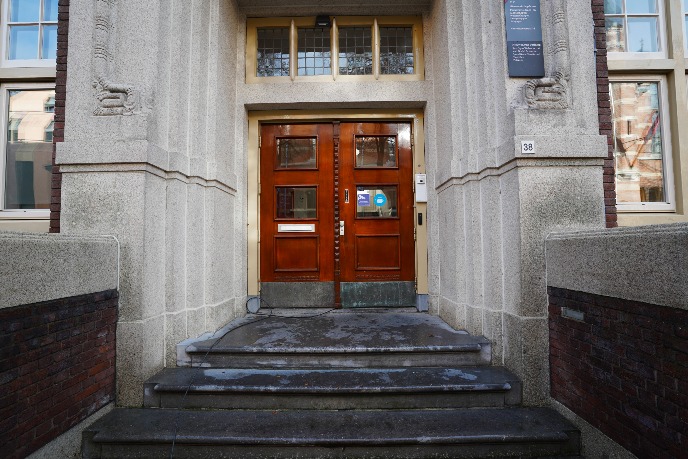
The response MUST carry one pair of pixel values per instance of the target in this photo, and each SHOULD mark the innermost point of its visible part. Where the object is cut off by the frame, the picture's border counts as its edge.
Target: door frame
(256, 118)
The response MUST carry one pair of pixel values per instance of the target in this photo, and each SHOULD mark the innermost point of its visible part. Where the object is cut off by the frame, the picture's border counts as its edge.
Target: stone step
(332, 389)
(349, 340)
(470, 433)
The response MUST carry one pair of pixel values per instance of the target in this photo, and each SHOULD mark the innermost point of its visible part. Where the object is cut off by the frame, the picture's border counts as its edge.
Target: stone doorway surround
(158, 128)
(415, 117)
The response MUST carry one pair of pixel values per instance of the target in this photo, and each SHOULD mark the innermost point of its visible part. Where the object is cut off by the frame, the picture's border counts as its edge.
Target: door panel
(297, 192)
(376, 168)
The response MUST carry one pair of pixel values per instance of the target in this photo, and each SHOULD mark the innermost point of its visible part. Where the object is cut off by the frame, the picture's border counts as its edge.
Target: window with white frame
(634, 28)
(26, 160)
(29, 29)
(642, 151)
(352, 47)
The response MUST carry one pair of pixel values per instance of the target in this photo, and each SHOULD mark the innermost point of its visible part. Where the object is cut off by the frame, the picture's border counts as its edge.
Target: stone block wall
(57, 367)
(623, 367)
(604, 111)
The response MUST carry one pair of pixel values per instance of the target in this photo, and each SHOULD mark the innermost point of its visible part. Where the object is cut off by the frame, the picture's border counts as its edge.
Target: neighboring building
(646, 50)
(223, 143)
(27, 101)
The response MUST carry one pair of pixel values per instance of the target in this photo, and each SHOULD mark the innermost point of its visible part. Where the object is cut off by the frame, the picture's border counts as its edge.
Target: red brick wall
(57, 367)
(624, 369)
(604, 111)
(60, 93)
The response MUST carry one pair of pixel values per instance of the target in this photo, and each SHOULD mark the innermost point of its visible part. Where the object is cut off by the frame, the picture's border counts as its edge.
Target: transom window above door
(348, 48)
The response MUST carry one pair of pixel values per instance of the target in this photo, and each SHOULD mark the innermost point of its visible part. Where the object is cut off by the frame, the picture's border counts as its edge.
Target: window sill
(24, 215)
(642, 63)
(13, 73)
(640, 208)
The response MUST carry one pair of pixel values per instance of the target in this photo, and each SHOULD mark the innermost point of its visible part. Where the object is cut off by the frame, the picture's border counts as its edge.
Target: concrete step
(332, 389)
(339, 340)
(464, 433)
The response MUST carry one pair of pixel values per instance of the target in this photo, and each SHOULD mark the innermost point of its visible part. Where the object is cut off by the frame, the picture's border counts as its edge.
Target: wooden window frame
(253, 24)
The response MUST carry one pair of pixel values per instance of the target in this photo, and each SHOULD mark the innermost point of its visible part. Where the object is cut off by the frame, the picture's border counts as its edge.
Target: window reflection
(376, 151)
(28, 150)
(32, 35)
(632, 26)
(376, 201)
(638, 147)
(314, 54)
(296, 202)
(297, 153)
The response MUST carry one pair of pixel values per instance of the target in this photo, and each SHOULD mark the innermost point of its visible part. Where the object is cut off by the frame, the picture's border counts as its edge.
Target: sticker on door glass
(376, 201)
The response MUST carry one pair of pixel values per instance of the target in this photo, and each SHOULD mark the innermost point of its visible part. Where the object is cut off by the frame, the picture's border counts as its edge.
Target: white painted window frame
(661, 30)
(667, 157)
(15, 214)
(4, 46)
(684, 16)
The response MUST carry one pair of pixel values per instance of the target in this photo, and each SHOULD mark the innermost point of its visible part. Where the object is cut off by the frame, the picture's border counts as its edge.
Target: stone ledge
(43, 267)
(646, 264)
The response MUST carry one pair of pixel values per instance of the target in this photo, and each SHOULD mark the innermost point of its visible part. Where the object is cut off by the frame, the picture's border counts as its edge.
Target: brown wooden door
(376, 169)
(296, 203)
(306, 257)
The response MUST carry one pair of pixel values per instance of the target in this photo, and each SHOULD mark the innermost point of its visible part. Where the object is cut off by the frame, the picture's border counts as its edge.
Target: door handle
(341, 228)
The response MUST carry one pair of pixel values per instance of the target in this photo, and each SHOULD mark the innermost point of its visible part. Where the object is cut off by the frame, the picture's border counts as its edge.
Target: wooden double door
(337, 214)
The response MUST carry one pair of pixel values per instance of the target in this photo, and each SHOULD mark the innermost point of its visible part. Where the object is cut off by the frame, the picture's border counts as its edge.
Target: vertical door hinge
(414, 234)
(260, 141)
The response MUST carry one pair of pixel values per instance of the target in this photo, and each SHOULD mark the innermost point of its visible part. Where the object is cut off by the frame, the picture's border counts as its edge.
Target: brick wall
(624, 369)
(605, 111)
(60, 95)
(57, 367)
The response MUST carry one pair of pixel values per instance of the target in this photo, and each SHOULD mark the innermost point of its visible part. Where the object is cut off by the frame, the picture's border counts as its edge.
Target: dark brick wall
(57, 367)
(624, 369)
(60, 95)
(605, 112)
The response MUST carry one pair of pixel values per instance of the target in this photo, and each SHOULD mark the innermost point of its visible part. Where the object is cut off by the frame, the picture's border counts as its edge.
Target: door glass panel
(378, 151)
(355, 51)
(396, 50)
(296, 202)
(314, 52)
(297, 153)
(376, 201)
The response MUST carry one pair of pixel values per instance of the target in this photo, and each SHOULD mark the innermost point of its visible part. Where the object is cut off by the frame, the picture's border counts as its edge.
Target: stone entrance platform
(308, 338)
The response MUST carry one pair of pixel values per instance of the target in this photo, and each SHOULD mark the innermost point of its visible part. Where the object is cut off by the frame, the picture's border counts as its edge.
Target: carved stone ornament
(113, 98)
(552, 92)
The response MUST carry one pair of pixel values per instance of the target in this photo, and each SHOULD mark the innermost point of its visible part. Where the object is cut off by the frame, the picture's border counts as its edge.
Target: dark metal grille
(273, 52)
(355, 51)
(396, 50)
(314, 52)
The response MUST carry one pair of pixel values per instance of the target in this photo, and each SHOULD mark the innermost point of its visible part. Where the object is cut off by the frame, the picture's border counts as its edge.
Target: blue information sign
(380, 200)
(363, 199)
(524, 38)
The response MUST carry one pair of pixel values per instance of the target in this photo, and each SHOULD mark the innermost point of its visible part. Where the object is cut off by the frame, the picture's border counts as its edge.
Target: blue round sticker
(380, 200)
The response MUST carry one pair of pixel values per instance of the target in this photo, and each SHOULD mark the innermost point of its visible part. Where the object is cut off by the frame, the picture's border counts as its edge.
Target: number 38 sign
(527, 147)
